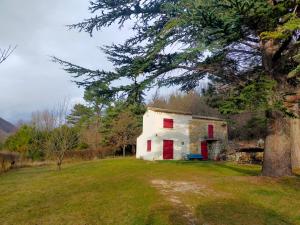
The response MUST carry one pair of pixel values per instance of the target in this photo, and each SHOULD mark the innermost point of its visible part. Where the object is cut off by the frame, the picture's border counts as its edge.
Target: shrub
(8, 160)
(27, 141)
(88, 154)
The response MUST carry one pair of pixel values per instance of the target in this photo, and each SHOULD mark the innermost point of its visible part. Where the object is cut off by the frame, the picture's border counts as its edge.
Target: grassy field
(128, 191)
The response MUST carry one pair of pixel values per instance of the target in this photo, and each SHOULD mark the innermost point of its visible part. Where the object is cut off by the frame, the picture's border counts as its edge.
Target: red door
(204, 150)
(210, 131)
(168, 149)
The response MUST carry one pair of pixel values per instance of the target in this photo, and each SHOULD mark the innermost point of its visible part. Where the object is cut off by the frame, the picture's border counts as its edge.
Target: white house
(169, 134)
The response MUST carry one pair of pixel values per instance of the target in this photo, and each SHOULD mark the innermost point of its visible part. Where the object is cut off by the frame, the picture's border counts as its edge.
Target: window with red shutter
(168, 123)
(210, 131)
(149, 146)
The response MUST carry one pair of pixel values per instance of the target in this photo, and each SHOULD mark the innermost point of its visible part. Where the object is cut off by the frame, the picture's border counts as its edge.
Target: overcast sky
(29, 81)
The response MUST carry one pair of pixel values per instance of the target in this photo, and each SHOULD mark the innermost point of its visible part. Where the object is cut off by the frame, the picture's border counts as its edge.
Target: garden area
(130, 191)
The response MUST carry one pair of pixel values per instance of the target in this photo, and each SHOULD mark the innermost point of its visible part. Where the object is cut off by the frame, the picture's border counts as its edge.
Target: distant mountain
(6, 126)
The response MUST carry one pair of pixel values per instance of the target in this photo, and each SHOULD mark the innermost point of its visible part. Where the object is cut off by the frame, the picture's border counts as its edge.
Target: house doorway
(204, 150)
(168, 149)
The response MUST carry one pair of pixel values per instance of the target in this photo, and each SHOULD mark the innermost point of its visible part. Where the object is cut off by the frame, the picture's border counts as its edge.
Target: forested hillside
(6, 126)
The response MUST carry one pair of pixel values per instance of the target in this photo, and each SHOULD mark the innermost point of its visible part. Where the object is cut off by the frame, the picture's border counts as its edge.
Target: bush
(88, 154)
(1, 146)
(8, 160)
(27, 141)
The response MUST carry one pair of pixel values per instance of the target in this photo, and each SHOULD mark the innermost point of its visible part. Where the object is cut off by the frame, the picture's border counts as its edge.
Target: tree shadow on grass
(236, 212)
(290, 182)
(189, 162)
(168, 214)
(21, 171)
(242, 170)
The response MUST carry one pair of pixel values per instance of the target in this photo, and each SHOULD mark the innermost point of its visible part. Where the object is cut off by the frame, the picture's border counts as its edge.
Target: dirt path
(173, 191)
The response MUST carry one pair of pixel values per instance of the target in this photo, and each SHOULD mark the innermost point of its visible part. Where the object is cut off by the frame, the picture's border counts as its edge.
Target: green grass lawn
(128, 191)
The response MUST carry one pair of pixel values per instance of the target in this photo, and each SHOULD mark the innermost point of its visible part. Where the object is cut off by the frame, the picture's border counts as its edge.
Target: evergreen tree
(115, 114)
(249, 49)
(80, 116)
(124, 131)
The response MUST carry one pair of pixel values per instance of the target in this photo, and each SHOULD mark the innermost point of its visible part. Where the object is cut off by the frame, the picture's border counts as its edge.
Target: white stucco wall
(153, 130)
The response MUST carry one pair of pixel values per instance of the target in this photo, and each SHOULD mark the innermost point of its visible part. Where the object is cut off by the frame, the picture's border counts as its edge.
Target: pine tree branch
(5, 53)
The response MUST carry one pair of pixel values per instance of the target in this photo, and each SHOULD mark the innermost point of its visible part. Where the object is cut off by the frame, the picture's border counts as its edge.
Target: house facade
(169, 134)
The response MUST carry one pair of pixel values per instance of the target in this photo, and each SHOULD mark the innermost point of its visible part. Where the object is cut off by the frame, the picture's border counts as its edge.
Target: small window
(168, 123)
(210, 131)
(149, 146)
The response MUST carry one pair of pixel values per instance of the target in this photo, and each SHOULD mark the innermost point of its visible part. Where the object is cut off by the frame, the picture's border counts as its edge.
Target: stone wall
(214, 149)
(198, 130)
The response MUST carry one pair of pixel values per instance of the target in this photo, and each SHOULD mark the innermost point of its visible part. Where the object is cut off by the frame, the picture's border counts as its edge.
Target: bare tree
(61, 138)
(44, 120)
(192, 101)
(6, 52)
(88, 135)
(48, 120)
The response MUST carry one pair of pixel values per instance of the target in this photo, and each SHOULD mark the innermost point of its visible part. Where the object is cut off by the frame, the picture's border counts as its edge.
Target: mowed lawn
(129, 191)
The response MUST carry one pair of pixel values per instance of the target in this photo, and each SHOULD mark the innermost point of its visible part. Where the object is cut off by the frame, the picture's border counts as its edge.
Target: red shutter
(210, 131)
(149, 146)
(168, 123)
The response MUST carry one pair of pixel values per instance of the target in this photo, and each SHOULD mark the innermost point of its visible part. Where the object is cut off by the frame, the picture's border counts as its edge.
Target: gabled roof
(169, 111)
(184, 113)
(197, 117)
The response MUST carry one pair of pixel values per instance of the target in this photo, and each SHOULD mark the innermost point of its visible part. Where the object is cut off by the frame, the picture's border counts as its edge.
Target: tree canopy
(249, 49)
(182, 42)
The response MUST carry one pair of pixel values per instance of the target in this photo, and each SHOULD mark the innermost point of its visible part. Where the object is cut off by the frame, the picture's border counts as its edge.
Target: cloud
(29, 81)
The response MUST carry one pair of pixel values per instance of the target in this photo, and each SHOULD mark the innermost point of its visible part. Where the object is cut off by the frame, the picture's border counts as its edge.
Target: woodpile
(249, 157)
(244, 152)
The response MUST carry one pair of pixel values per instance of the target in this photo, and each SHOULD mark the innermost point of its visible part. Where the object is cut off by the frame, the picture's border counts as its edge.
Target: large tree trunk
(59, 165)
(277, 155)
(295, 137)
(292, 103)
(278, 144)
(124, 151)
